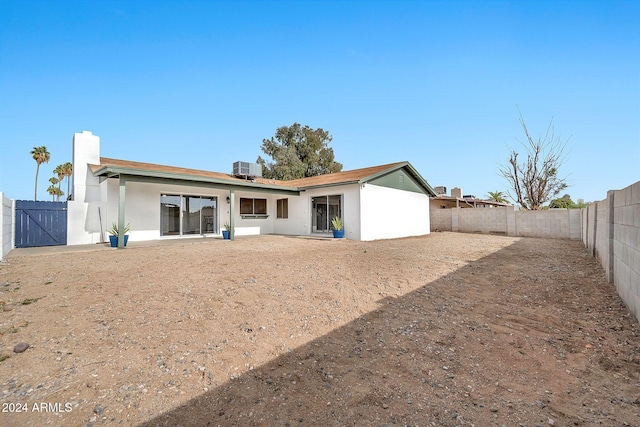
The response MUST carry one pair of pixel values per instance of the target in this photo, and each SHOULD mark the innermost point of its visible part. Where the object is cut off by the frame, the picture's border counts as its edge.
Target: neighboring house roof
(467, 202)
(113, 167)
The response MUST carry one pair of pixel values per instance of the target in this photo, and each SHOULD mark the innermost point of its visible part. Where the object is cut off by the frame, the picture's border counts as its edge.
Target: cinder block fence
(6, 225)
(610, 229)
(554, 223)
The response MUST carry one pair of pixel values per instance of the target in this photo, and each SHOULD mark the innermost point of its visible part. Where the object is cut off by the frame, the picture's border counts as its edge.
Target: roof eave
(114, 171)
(332, 184)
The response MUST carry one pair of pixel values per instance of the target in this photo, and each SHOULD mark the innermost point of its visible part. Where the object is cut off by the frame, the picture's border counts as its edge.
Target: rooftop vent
(441, 189)
(247, 170)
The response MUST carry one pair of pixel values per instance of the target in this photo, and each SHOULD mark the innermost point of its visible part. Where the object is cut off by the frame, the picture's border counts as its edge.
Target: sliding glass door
(184, 215)
(209, 215)
(323, 210)
(170, 215)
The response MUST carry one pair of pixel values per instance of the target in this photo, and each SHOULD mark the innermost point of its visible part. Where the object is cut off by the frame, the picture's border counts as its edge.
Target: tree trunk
(35, 191)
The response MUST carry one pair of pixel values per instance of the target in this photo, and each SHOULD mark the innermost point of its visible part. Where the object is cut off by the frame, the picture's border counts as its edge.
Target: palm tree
(40, 155)
(497, 196)
(68, 171)
(59, 170)
(53, 190)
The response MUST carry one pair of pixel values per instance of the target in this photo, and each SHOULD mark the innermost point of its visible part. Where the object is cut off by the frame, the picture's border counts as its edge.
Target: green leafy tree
(298, 152)
(565, 202)
(536, 180)
(497, 196)
(40, 155)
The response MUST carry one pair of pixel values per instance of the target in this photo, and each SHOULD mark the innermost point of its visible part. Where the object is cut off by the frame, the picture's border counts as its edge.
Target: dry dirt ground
(443, 330)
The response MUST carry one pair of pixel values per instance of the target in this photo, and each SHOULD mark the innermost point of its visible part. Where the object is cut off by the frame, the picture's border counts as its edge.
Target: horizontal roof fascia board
(333, 184)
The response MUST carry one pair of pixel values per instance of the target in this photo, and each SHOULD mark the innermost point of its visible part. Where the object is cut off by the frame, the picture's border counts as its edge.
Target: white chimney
(86, 150)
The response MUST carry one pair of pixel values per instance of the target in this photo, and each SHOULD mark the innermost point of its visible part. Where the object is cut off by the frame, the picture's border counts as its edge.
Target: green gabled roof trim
(399, 180)
(387, 178)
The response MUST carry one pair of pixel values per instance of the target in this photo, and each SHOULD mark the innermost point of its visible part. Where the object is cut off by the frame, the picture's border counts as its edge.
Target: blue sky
(199, 84)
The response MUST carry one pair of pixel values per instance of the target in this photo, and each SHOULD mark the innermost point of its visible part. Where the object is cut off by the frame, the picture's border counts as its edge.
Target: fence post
(13, 223)
(455, 214)
(595, 227)
(510, 215)
(611, 196)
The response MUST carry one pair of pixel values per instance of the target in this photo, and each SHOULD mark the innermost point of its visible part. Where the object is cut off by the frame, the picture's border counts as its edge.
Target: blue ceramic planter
(114, 240)
(338, 234)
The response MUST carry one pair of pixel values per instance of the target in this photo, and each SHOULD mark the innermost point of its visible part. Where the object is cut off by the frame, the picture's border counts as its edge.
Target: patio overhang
(139, 175)
(127, 174)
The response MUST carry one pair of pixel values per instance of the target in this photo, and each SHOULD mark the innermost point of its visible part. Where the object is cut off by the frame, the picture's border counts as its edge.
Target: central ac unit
(247, 169)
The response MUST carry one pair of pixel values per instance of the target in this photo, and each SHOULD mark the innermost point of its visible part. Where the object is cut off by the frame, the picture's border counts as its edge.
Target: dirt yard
(444, 330)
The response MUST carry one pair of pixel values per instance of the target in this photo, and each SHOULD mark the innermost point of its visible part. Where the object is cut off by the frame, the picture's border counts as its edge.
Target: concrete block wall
(601, 244)
(613, 236)
(440, 219)
(587, 232)
(595, 231)
(610, 229)
(484, 220)
(6, 225)
(553, 223)
(575, 224)
(626, 246)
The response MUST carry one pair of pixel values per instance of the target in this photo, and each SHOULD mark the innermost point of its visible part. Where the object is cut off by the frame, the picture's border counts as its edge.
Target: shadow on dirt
(483, 345)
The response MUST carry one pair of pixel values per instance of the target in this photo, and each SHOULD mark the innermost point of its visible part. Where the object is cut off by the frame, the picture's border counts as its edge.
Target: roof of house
(114, 167)
(359, 176)
(469, 201)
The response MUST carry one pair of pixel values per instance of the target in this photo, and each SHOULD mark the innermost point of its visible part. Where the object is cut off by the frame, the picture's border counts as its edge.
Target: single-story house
(379, 202)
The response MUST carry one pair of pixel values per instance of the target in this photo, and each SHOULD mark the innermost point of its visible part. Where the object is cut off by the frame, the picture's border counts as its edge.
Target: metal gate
(40, 223)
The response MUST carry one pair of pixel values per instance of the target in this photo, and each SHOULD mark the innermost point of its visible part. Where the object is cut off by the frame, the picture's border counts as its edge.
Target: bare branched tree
(536, 180)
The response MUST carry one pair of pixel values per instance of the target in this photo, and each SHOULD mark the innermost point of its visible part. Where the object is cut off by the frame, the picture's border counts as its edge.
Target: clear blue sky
(199, 84)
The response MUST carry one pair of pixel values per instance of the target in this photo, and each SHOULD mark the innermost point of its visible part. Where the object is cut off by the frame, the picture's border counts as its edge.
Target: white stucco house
(158, 201)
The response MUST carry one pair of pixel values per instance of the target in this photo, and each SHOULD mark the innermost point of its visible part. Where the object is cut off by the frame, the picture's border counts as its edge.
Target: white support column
(232, 203)
(121, 199)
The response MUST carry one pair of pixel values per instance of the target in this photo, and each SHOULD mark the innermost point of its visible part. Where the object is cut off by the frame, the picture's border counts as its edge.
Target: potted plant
(338, 230)
(226, 233)
(114, 232)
